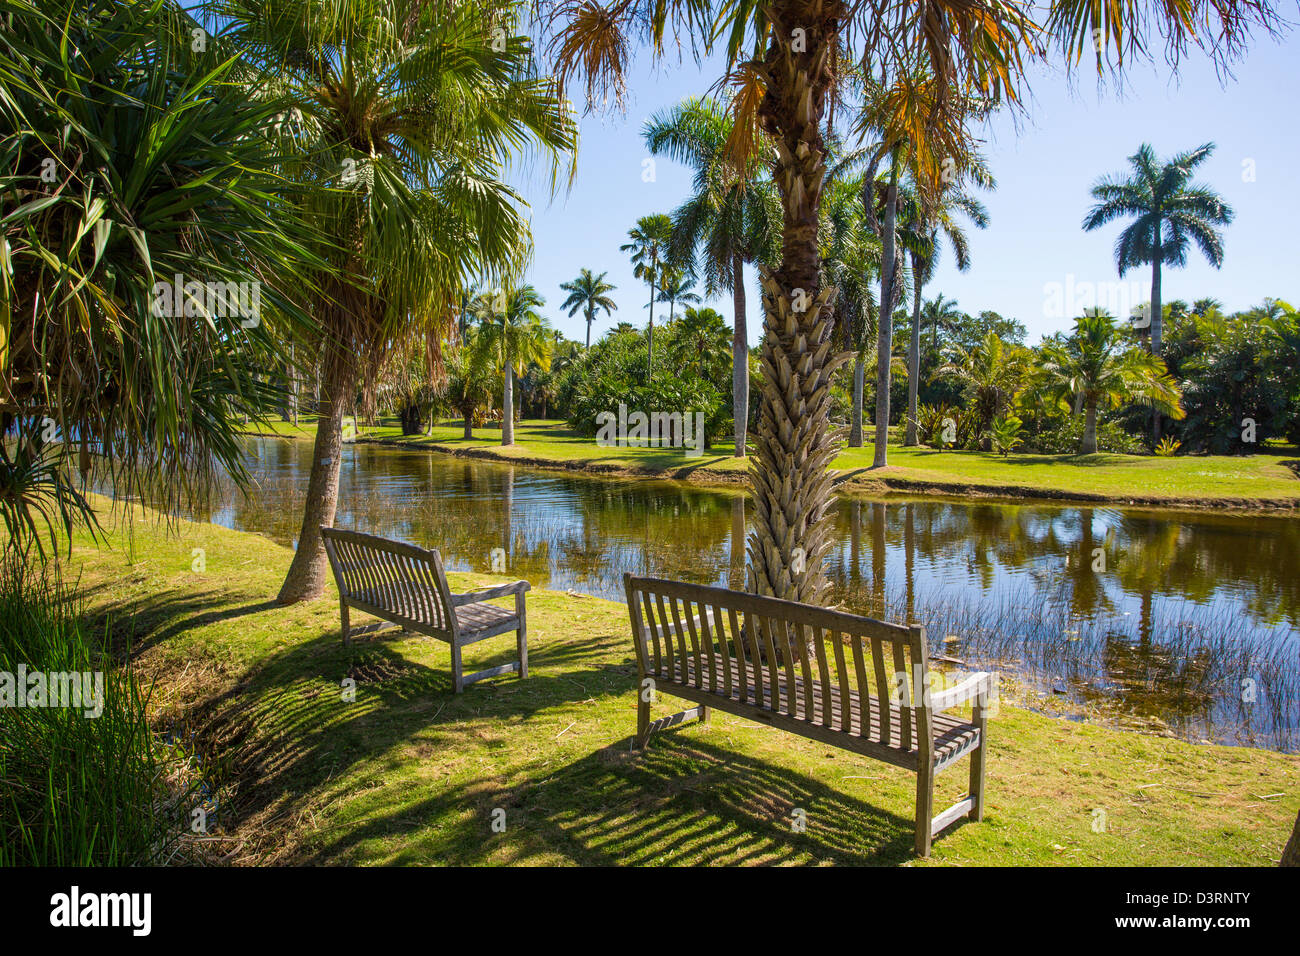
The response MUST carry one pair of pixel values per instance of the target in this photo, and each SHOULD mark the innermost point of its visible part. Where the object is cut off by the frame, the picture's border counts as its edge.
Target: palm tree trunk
(1157, 325)
(791, 480)
(1291, 855)
(739, 357)
(855, 429)
(1090, 429)
(914, 358)
(885, 325)
(307, 572)
(589, 318)
(650, 337)
(469, 424)
(508, 407)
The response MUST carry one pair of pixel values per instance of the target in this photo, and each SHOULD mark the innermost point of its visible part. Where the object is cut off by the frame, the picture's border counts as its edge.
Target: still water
(1182, 623)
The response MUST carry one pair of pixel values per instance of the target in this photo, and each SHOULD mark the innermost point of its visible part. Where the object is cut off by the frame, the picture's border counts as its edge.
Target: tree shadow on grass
(683, 802)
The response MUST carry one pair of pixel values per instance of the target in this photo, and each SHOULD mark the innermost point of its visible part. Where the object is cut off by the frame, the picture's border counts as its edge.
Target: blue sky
(1044, 170)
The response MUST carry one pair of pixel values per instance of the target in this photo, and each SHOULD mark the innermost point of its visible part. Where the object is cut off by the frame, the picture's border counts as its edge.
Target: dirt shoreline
(852, 482)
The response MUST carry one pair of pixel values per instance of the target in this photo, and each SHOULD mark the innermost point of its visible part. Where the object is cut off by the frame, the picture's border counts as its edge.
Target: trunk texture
(1157, 325)
(508, 408)
(885, 326)
(589, 318)
(308, 572)
(914, 358)
(1090, 430)
(791, 481)
(859, 373)
(739, 357)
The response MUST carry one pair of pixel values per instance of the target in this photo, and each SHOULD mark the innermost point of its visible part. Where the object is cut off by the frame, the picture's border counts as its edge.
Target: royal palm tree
(940, 314)
(732, 217)
(936, 222)
(131, 158)
(1169, 213)
(649, 252)
(405, 120)
(588, 293)
(787, 60)
(1097, 364)
(514, 333)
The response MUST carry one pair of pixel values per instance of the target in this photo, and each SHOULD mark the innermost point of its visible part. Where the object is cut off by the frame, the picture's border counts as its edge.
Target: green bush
(74, 790)
(1065, 438)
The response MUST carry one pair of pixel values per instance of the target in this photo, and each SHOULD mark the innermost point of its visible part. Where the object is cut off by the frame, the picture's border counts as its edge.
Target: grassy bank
(1261, 481)
(408, 773)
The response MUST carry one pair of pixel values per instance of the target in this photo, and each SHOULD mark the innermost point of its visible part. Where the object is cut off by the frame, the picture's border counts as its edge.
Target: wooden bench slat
(761, 668)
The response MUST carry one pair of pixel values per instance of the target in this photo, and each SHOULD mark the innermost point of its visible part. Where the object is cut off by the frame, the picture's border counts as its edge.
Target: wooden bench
(851, 682)
(406, 586)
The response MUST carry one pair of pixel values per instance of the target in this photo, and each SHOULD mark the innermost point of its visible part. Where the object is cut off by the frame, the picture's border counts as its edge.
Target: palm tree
(933, 222)
(732, 218)
(516, 336)
(676, 286)
(649, 250)
(470, 376)
(130, 158)
(940, 313)
(992, 373)
(850, 264)
(408, 119)
(784, 61)
(588, 293)
(701, 343)
(1169, 212)
(1098, 365)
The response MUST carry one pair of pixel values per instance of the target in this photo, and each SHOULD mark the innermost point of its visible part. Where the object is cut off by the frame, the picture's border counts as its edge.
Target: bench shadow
(684, 801)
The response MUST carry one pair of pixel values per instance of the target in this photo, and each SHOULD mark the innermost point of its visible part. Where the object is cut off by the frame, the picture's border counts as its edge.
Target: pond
(1182, 623)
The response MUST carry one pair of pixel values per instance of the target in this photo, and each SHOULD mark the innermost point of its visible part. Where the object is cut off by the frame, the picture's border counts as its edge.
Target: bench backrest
(730, 642)
(399, 581)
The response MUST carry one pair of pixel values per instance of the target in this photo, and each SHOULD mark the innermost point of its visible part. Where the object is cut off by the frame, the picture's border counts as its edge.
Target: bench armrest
(981, 685)
(488, 594)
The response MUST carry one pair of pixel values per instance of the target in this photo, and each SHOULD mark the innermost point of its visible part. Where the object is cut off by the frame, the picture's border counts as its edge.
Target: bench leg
(977, 771)
(924, 804)
(457, 675)
(347, 630)
(705, 714)
(642, 719)
(521, 635)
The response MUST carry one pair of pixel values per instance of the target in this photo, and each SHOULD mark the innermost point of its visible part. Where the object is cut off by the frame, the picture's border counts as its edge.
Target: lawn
(1262, 480)
(407, 773)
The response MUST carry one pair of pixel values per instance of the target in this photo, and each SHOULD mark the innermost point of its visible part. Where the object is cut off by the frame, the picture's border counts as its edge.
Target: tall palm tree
(1099, 366)
(732, 217)
(934, 222)
(408, 117)
(676, 286)
(940, 313)
(131, 158)
(850, 264)
(514, 333)
(649, 252)
(785, 60)
(588, 293)
(1169, 212)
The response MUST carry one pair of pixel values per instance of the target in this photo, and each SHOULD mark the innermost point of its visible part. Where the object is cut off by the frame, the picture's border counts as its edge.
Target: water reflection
(1189, 619)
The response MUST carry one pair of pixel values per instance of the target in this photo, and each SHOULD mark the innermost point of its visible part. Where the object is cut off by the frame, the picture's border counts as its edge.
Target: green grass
(410, 774)
(1198, 480)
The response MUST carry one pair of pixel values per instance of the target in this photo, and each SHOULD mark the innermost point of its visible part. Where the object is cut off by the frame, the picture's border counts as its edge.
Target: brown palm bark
(1291, 855)
(739, 356)
(791, 479)
(307, 572)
